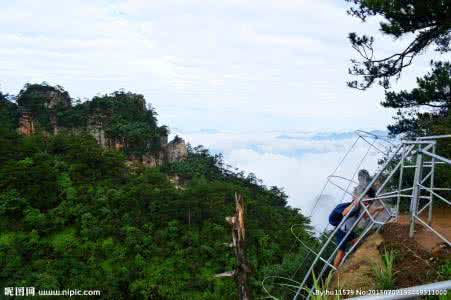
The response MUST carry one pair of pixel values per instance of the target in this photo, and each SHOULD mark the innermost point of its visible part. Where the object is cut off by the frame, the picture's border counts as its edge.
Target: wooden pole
(238, 244)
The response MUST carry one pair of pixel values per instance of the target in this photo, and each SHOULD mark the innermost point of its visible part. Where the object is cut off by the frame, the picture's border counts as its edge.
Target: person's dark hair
(371, 193)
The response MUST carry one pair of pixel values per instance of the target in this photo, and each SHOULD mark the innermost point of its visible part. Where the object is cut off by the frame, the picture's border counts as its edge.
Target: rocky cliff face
(119, 121)
(173, 151)
(34, 99)
(26, 124)
(176, 150)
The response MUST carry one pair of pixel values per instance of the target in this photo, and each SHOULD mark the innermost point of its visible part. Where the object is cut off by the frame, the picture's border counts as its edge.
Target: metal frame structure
(423, 152)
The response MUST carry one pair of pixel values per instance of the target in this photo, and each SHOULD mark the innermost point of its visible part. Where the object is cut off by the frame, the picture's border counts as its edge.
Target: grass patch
(444, 270)
(321, 287)
(384, 273)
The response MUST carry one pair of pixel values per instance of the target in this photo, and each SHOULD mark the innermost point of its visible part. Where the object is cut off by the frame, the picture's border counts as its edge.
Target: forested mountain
(120, 120)
(76, 215)
(93, 196)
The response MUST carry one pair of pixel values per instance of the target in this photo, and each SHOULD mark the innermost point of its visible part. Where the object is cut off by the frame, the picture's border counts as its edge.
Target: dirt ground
(415, 264)
(441, 222)
(357, 272)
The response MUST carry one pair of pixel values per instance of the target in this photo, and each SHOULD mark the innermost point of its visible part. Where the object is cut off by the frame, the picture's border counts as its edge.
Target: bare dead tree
(238, 244)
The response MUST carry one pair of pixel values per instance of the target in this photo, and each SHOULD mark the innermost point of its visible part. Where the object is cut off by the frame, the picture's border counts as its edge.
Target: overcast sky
(233, 75)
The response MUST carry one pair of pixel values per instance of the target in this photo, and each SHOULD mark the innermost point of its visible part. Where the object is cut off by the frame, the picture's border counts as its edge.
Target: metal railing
(424, 151)
(392, 174)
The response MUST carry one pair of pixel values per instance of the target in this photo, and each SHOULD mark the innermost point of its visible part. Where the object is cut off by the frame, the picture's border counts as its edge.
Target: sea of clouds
(298, 162)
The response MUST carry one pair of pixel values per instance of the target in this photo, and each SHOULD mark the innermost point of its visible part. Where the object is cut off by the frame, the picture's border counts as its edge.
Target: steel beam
(416, 192)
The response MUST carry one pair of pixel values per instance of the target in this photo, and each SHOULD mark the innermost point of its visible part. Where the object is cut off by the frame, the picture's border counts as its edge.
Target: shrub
(384, 274)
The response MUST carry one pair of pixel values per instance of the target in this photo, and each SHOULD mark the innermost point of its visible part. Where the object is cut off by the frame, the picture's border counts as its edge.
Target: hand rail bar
(441, 158)
(433, 230)
(435, 194)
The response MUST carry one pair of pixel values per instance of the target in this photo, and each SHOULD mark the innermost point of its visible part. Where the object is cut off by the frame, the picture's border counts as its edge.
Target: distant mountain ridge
(119, 120)
(329, 135)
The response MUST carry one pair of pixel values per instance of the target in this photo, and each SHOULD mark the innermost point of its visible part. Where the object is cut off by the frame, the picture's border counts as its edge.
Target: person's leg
(352, 238)
(339, 257)
(341, 251)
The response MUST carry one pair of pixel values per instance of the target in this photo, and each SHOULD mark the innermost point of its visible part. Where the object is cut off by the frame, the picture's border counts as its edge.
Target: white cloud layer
(299, 162)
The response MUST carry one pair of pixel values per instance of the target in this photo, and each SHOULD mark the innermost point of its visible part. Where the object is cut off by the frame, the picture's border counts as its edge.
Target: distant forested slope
(75, 215)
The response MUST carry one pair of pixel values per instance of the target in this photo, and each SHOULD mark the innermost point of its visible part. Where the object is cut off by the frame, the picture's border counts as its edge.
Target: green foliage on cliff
(35, 96)
(40, 100)
(125, 118)
(74, 216)
(122, 116)
(9, 114)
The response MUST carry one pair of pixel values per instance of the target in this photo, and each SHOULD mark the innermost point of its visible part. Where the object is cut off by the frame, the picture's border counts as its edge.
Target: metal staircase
(394, 185)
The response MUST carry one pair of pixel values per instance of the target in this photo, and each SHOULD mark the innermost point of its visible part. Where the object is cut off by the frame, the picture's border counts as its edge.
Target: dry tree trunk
(238, 244)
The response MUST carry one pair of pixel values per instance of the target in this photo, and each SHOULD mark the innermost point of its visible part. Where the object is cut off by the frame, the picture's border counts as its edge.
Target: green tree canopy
(41, 100)
(74, 216)
(423, 107)
(123, 116)
(9, 114)
(429, 22)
